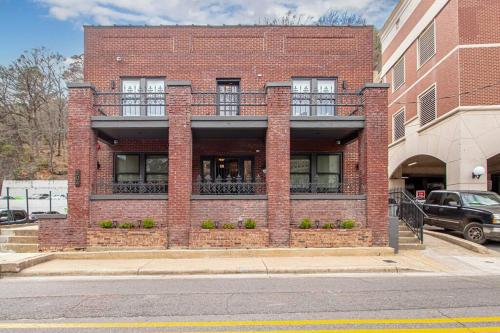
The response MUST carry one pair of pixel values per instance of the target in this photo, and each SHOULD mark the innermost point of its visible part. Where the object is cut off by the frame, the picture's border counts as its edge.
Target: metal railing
(404, 206)
(131, 104)
(229, 185)
(157, 187)
(319, 187)
(16, 201)
(229, 103)
(327, 104)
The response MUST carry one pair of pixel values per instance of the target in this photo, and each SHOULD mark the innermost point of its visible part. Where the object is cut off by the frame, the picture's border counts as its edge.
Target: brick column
(180, 157)
(82, 162)
(278, 163)
(373, 161)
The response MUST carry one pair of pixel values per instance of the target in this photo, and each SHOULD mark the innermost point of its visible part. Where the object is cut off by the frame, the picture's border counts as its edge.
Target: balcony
(130, 190)
(337, 116)
(229, 186)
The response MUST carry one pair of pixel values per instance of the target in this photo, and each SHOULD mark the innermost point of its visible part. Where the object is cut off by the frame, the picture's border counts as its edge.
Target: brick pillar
(373, 161)
(82, 160)
(278, 164)
(180, 157)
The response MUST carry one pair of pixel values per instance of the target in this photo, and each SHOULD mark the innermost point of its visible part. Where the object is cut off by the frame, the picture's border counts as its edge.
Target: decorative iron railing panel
(131, 104)
(404, 206)
(131, 188)
(319, 187)
(229, 185)
(229, 103)
(327, 104)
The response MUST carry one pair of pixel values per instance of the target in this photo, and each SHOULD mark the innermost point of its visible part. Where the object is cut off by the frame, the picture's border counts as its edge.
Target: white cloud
(204, 11)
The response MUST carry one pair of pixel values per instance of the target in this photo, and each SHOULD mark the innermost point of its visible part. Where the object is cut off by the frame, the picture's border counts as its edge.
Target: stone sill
(228, 197)
(328, 196)
(97, 197)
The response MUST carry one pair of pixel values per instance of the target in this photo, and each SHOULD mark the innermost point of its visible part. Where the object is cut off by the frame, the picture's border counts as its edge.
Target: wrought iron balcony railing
(158, 187)
(229, 103)
(131, 104)
(322, 187)
(327, 104)
(229, 185)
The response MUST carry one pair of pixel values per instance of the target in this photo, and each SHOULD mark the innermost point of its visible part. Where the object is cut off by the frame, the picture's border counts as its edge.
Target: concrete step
(412, 246)
(19, 247)
(408, 240)
(406, 233)
(23, 239)
(25, 232)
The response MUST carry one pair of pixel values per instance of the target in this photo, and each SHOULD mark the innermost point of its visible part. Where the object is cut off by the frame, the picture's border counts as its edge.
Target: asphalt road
(251, 304)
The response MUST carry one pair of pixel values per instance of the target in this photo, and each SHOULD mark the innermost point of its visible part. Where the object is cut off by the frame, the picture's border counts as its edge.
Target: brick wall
(60, 235)
(124, 238)
(331, 238)
(237, 238)
(328, 211)
(229, 211)
(129, 210)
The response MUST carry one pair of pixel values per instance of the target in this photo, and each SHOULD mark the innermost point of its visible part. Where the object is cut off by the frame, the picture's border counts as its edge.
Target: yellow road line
(6, 325)
(388, 330)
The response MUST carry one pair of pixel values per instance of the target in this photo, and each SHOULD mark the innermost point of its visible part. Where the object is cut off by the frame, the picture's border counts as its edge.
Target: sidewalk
(439, 257)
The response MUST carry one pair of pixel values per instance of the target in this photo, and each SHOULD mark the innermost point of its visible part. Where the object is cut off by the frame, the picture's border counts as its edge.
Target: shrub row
(346, 224)
(108, 224)
(210, 224)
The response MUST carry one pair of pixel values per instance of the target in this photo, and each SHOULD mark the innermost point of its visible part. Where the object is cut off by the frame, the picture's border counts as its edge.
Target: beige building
(441, 58)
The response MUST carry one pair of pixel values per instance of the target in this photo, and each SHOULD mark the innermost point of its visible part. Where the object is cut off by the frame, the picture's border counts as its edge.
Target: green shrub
(126, 225)
(328, 226)
(250, 224)
(305, 224)
(228, 226)
(148, 223)
(347, 224)
(106, 224)
(208, 224)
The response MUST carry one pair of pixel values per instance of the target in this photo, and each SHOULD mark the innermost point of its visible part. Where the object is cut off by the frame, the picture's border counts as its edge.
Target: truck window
(19, 215)
(434, 198)
(449, 197)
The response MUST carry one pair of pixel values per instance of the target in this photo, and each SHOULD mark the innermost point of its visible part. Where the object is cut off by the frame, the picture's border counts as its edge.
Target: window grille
(426, 45)
(427, 106)
(398, 74)
(398, 123)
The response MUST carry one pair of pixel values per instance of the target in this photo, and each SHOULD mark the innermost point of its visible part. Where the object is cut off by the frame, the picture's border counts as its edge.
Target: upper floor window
(143, 97)
(427, 106)
(228, 97)
(313, 97)
(426, 45)
(398, 74)
(398, 125)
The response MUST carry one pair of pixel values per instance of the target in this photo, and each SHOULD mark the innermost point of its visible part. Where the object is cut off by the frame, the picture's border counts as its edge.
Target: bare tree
(290, 18)
(336, 17)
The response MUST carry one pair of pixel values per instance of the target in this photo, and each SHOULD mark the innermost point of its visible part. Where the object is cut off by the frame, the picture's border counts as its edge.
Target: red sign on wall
(420, 195)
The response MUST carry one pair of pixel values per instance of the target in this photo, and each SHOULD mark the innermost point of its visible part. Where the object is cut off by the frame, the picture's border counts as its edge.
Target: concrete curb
(228, 253)
(130, 272)
(19, 265)
(459, 241)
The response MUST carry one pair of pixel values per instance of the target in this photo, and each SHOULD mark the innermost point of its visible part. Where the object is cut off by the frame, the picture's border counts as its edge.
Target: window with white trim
(143, 97)
(398, 74)
(398, 125)
(426, 45)
(427, 106)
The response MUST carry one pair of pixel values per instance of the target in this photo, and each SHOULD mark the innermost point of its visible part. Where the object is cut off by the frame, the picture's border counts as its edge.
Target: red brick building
(182, 124)
(441, 59)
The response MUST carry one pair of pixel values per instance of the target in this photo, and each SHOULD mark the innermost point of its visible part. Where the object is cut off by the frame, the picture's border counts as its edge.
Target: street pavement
(492, 245)
(355, 303)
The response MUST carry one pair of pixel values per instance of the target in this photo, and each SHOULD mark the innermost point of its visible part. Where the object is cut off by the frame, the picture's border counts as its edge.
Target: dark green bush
(347, 224)
(148, 223)
(328, 226)
(250, 224)
(106, 224)
(208, 224)
(305, 224)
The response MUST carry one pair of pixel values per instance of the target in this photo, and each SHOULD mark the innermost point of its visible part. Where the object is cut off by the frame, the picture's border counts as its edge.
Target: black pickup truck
(474, 213)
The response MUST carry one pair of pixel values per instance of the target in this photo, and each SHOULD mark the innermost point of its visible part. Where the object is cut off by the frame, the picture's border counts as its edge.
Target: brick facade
(124, 238)
(190, 60)
(331, 238)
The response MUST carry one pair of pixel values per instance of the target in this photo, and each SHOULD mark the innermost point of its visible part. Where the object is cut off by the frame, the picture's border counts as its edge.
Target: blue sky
(56, 24)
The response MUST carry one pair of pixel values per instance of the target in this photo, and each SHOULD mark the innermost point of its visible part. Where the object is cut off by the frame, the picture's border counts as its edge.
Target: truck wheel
(474, 232)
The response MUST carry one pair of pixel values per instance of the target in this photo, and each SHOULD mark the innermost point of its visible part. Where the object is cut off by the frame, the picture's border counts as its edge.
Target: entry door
(495, 179)
(234, 167)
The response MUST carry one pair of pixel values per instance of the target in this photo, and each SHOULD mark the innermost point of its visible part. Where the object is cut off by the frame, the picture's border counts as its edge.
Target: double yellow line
(211, 324)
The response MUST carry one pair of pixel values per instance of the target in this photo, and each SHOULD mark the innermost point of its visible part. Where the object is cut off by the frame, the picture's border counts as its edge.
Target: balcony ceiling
(115, 128)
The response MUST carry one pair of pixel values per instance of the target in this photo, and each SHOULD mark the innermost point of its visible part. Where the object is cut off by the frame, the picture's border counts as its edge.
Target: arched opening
(420, 173)
(493, 167)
